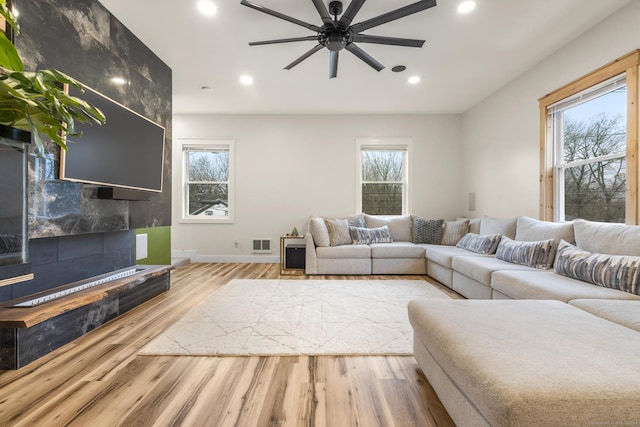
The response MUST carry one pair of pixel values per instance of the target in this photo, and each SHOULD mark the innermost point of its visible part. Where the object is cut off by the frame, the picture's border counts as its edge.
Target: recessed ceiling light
(414, 80)
(398, 68)
(246, 80)
(466, 6)
(205, 88)
(207, 7)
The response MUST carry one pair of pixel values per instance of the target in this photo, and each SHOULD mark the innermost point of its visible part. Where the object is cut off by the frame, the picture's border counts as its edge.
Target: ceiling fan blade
(280, 15)
(364, 56)
(323, 11)
(305, 56)
(333, 64)
(395, 41)
(393, 15)
(293, 39)
(350, 13)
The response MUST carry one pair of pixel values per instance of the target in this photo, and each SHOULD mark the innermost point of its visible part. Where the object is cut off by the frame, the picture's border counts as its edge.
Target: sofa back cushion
(399, 226)
(504, 226)
(620, 272)
(319, 232)
(530, 229)
(606, 238)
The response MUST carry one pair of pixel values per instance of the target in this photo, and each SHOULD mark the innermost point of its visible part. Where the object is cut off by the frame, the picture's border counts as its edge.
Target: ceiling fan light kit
(338, 34)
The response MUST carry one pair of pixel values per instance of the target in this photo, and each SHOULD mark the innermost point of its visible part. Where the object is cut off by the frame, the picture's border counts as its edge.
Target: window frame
(206, 145)
(628, 65)
(382, 144)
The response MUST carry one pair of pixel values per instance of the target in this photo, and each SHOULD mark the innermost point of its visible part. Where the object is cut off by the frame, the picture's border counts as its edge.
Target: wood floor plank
(100, 380)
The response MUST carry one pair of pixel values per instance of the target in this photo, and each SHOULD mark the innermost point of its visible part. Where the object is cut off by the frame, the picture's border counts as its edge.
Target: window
(383, 187)
(589, 146)
(207, 181)
(589, 132)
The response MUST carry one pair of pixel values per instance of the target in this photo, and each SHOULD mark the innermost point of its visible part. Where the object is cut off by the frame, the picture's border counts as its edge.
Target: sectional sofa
(550, 332)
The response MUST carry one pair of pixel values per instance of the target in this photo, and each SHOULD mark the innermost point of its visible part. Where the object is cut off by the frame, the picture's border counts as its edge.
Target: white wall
(501, 134)
(289, 167)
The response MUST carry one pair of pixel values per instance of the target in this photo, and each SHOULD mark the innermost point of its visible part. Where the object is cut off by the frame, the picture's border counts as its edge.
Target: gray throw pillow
(620, 272)
(480, 244)
(338, 232)
(427, 230)
(454, 231)
(533, 254)
(364, 236)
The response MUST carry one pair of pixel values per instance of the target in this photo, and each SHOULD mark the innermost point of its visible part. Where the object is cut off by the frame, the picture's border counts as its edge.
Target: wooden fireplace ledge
(26, 317)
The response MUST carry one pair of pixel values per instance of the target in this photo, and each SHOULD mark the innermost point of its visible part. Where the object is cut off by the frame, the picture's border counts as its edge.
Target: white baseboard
(248, 259)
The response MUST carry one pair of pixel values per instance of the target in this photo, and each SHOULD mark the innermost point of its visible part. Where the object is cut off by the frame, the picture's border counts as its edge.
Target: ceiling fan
(337, 34)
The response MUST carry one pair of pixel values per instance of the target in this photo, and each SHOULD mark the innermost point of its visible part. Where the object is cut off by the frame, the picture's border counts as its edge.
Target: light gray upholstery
(470, 288)
(622, 312)
(504, 226)
(604, 238)
(541, 284)
(397, 250)
(398, 266)
(399, 226)
(527, 363)
(345, 251)
(532, 230)
(481, 268)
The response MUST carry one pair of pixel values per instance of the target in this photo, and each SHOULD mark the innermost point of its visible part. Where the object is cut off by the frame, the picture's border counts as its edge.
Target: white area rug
(298, 317)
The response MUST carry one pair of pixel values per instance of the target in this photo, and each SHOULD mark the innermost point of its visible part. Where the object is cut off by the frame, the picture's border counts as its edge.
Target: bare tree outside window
(595, 175)
(382, 182)
(208, 182)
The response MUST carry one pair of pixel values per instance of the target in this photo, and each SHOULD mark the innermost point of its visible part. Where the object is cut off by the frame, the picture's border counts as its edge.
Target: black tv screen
(125, 152)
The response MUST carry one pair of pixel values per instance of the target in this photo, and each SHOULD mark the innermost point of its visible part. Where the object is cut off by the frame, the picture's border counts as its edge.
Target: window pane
(382, 199)
(208, 200)
(596, 128)
(596, 191)
(208, 166)
(382, 166)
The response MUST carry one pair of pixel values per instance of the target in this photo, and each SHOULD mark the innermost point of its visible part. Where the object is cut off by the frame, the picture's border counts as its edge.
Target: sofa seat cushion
(540, 284)
(533, 363)
(346, 251)
(443, 255)
(396, 250)
(481, 268)
(622, 312)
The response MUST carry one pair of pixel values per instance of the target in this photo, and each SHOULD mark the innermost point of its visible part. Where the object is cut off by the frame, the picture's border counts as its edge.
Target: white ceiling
(465, 58)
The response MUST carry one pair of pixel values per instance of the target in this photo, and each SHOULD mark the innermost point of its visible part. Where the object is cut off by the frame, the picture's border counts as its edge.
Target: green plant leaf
(9, 57)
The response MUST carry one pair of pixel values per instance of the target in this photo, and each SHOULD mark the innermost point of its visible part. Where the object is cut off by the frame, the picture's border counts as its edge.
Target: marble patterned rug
(297, 317)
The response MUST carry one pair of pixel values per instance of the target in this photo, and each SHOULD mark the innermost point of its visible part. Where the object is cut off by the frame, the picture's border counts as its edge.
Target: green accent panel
(158, 245)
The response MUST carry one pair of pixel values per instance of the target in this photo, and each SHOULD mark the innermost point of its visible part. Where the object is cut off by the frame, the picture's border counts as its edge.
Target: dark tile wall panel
(8, 348)
(57, 261)
(83, 39)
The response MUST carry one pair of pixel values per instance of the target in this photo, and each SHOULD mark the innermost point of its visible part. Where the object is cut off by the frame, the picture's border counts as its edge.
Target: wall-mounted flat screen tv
(126, 152)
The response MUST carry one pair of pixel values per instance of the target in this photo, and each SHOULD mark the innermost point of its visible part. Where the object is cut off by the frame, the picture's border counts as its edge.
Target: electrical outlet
(236, 243)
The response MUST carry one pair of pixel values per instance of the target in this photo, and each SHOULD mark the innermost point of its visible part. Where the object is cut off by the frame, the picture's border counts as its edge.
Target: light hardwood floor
(99, 380)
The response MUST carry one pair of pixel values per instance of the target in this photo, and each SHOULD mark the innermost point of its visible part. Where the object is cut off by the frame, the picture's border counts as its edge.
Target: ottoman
(527, 363)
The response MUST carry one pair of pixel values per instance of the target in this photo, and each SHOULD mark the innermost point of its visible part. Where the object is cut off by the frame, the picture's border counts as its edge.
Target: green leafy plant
(36, 100)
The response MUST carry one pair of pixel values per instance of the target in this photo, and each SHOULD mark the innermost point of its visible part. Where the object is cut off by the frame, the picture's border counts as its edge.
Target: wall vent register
(261, 246)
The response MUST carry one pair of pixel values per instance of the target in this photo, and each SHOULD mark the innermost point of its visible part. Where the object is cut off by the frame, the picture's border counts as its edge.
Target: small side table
(283, 256)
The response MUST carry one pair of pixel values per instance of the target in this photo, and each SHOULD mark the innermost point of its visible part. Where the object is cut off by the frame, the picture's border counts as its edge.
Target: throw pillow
(427, 230)
(480, 244)
(620, 272)
(364, 236)
(338, 232)
(454, 231)
(538, 254)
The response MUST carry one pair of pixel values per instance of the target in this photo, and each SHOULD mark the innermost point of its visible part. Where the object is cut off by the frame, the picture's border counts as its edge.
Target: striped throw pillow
(364, 236)
(533, 254)
(620, 272)
(480, 244)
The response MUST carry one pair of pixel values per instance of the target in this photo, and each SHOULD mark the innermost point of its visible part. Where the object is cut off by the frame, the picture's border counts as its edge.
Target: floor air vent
(261, 246)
